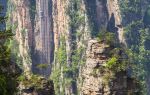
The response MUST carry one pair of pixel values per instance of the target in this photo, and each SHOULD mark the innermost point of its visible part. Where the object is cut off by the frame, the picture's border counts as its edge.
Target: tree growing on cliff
(7, 79)
(107, 37)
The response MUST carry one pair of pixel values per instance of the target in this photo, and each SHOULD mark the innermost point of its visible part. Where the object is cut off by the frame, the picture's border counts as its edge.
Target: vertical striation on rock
(21, 18)
(34, 33)
(43, 49)
(115, 19)
(56, 38)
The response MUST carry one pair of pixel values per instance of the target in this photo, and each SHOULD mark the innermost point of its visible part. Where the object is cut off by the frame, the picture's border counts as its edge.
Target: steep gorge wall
(20, 17)
(25, 16)
(43, 37)
(97, 14)
(68, 27)
(71, 32)
(31, 25)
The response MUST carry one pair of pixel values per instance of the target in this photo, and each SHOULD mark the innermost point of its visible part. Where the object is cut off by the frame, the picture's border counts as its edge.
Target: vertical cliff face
(106, 14)
(94, 15)
(60, 20)
(34, 34)
(43, 46)
(55, 39)
(36, 19)
(71, 32)
(20, 17)
(115, 20)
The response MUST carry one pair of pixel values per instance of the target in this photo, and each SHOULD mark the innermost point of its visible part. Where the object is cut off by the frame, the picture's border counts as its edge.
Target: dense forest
(74, 47)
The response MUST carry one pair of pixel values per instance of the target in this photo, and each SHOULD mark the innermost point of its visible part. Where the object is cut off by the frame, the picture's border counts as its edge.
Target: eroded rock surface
(39, 86)
(98, 79)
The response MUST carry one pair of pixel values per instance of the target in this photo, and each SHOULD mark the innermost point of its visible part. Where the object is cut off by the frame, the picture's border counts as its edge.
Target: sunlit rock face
(97, 78)
(34, 34)
(20, 18)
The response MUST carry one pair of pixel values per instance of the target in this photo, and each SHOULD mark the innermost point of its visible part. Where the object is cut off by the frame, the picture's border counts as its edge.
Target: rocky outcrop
(98, 79)
(36, 86)
(92, 85)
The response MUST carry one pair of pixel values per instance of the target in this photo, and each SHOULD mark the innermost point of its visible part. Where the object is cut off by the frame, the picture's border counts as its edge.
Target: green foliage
(62, 69)
(119, 60)
(55, 76)
(4, 49)
(129, 7)
(77, 19)
(4, 35)
(42, 66)
(60, 63)
(111, 62)
(135, 29)
(7, 77)
(106, 37)
(61, 55)
(34, 81)
(66, 67)
(21, 78)
(3, 85)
